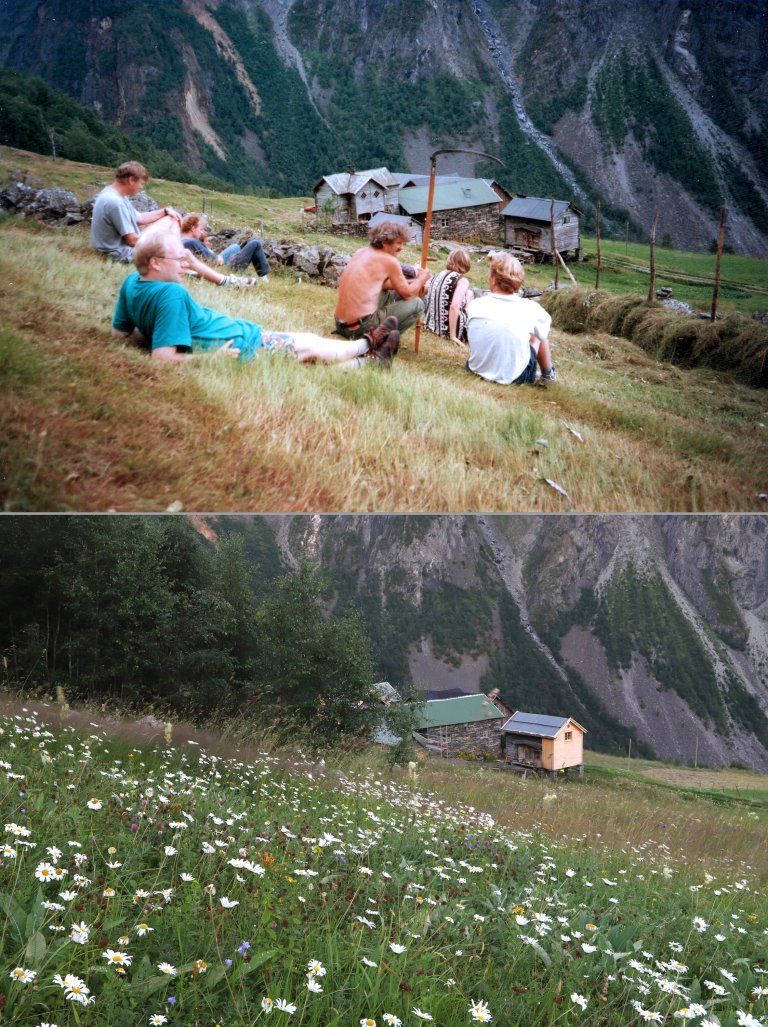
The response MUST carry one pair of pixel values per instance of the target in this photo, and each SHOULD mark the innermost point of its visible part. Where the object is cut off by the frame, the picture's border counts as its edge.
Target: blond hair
(131, 169)
(507, 271)
(150, 246)
(458, 260)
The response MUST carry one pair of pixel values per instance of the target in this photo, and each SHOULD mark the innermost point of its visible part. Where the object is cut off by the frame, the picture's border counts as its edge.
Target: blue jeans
(251, 253)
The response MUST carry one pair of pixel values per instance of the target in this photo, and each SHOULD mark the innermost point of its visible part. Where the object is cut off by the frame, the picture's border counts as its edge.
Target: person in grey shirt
(116, 224)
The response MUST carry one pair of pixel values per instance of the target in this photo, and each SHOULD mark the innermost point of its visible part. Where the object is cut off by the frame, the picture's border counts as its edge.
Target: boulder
(144, 203)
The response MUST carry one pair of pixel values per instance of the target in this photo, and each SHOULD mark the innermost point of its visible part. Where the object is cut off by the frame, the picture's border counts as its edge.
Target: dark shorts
(528, 376)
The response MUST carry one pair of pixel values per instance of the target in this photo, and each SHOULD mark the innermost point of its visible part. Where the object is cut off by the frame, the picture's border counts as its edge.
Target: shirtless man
(373, 286)
(116, 226)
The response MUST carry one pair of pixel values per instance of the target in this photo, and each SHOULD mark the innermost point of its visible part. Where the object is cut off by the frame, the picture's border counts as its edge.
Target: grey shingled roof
(536, 208)
(344, 182)
(537, 724)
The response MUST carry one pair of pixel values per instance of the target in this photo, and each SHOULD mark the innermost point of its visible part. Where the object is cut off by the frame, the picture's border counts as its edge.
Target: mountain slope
(654, 628)
(641, 105)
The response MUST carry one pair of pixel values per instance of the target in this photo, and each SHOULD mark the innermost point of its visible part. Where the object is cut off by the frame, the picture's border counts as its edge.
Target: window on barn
(443, 222)
(566, 219)
(363, 196)
(376, 192)
(568, 735)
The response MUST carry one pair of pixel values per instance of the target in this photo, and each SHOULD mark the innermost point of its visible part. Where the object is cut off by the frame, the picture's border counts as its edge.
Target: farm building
(528, 226)
(413, 226)
(465, 725)
(357, 195)
(464, 209)
(550, 744)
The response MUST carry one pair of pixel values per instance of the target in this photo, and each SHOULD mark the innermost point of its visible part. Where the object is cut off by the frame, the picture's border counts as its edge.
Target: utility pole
(696, 754)
(597, 239)
(720, 239)
(652, 264)
(629, 750)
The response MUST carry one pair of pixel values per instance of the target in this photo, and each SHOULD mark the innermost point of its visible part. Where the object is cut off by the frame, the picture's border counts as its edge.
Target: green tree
(314, 671)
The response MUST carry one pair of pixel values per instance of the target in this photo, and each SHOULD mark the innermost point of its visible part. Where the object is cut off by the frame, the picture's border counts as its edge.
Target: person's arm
(405, 288)
(134, 335)
(149, 217)
(458, 299)
(172, 355)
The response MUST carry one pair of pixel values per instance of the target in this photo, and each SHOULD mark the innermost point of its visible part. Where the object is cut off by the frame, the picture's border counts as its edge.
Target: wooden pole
(554, 247)
(720, 240)
(427, 229)
(597, 239)
(565, 267)
(652, 267)
(430, 203)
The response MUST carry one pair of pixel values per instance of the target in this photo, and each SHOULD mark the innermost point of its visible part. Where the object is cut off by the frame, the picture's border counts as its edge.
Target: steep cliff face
(651, 626)
(655, 104)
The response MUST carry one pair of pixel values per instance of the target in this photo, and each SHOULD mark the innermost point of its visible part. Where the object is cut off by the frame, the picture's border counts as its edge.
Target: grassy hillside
(92, 425)
(147, 884)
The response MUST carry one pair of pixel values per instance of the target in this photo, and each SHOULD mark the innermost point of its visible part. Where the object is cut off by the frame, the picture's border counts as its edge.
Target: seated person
(508, 335)
(448, 294)
(116, 225)
(154, 308)
(373, 287)
(194, 236)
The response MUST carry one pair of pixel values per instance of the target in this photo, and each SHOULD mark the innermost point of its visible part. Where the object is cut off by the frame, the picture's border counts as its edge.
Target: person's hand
(228, 349)
(171, 213)
(458, 342)
(219, 260)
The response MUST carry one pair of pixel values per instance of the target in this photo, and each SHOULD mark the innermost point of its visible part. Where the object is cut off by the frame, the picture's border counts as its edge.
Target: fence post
(597, 238)
(720, 240)
(652, 264)
(554, 247)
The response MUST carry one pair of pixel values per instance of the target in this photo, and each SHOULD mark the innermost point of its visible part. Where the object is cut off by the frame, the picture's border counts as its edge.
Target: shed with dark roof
(542, 742)
(528, 226)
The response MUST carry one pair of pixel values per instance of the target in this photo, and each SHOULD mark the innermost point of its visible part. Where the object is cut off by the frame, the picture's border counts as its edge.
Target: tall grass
(91, 424)
(150, 886)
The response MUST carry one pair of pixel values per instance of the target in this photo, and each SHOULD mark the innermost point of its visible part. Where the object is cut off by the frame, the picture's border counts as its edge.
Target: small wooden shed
(541, 743)
(468, 725)
(528, 226)
(358, 195)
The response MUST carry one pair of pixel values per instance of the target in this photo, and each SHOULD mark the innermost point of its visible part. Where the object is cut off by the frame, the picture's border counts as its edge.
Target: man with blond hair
(116, 225)
(373, 286)
(155, 309)
(508, 335)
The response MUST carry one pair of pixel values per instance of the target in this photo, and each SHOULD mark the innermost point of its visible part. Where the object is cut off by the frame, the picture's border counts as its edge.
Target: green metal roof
(469, 192)
(464, 709)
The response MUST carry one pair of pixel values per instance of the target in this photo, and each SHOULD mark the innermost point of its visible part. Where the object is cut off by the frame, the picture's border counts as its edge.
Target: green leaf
(36, 947)
(13, 912)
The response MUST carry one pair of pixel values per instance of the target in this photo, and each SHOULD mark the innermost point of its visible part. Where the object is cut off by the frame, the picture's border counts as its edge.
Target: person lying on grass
(116, 226)
(508, 335)
(373, 287)
(155, 309)
(194, 235)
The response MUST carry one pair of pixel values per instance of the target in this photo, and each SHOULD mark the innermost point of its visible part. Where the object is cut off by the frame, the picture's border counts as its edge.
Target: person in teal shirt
(153, 307)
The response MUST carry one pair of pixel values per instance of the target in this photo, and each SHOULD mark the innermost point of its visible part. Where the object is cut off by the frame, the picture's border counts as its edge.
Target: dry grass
(90, 424)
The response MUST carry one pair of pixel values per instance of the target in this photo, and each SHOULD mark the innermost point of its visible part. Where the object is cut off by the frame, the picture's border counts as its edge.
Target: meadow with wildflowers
(174, 886)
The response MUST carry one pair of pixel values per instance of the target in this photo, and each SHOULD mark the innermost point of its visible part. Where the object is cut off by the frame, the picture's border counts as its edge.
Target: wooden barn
(413, 226)
(549, 744)
(357, 195)
(463, 210)
(528, 227)
(466, 725)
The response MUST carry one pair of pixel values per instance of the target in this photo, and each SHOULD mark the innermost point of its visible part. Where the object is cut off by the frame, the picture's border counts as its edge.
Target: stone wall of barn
(467, 223)
(479, 739)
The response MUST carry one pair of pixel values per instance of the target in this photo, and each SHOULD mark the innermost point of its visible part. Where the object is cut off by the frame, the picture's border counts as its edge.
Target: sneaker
(379, 335)
(236, 282)
(385, 354)
(549, 376)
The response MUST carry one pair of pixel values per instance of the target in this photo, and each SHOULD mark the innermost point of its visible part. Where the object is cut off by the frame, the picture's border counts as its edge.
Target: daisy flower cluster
(177, 887)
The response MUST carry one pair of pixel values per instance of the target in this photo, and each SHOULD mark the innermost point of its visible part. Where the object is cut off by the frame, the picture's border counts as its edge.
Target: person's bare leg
(543, 355)
(309, 346)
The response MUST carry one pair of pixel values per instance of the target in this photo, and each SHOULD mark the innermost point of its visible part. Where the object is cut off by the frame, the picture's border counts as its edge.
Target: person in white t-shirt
(508, 335)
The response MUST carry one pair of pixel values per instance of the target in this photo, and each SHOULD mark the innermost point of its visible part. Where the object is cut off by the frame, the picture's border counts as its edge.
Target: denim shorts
(528, 376)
